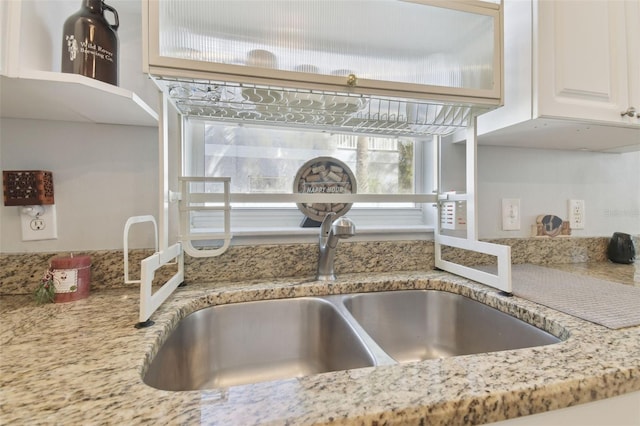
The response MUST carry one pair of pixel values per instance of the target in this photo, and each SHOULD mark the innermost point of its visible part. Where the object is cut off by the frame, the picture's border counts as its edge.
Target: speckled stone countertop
(81, 363)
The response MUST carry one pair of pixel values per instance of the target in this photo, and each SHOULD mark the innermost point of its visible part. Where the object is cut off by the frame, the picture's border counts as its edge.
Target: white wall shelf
(70, 97)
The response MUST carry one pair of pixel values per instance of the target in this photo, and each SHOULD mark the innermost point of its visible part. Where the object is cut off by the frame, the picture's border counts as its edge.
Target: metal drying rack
(331, 111)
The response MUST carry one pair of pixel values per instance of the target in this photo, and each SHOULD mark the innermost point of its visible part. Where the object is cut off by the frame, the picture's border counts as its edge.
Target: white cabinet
(571, 70)
(587, 59)
(444, 51)
(33, 87)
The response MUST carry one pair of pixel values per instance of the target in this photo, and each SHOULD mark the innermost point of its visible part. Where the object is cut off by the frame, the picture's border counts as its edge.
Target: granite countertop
(81, 363)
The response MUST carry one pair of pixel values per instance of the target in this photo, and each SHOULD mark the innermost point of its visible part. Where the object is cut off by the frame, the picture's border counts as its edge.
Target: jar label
(65, 280)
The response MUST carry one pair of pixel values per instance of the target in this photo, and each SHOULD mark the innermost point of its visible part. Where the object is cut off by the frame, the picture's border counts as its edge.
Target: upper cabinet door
(572, 76)
(632, 15)
(423, 49)
(588, 67)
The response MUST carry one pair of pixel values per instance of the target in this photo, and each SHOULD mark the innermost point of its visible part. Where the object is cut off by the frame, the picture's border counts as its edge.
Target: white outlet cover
(510, 214)
(577, 214)
(49, 230)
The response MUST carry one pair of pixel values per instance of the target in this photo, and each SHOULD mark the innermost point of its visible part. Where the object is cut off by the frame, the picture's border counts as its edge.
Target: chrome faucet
(331, 230)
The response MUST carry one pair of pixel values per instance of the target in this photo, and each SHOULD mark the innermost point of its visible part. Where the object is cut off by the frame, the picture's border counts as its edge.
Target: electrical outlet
(510, 214)
(37, 224)
(576, 214)
(42, 226)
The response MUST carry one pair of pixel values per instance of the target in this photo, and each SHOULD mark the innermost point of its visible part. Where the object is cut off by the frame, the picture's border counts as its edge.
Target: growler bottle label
(84, 47)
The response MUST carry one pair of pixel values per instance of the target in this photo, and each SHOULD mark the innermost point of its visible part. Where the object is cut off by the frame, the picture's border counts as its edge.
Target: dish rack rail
(173, 254)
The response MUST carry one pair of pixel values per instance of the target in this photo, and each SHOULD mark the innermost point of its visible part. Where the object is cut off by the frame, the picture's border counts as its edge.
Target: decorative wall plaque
(324, 175)
(549, 225)
(27, 187)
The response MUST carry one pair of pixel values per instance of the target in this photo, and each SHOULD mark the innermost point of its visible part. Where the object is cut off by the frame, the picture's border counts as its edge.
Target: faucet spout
(331, 231)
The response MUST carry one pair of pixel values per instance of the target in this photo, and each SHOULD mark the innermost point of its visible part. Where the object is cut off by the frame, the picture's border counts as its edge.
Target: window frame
(254, 225)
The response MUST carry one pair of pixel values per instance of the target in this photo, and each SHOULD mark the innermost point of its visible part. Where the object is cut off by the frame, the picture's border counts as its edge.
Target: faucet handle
(325, 228)
(344, 227)
(333, 229)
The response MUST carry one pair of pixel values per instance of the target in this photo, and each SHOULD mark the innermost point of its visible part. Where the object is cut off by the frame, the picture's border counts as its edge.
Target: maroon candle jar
(71, 277)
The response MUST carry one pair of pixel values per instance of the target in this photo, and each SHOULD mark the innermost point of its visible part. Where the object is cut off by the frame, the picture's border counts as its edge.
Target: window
(265, 160)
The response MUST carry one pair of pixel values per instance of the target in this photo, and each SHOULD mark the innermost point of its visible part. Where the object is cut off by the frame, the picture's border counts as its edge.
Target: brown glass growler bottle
(90, 42)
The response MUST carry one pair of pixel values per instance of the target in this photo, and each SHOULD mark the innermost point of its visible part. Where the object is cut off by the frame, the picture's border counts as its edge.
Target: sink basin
(250, 342)
(415, 325)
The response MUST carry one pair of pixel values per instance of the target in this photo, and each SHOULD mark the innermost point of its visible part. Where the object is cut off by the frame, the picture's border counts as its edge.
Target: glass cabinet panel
(419, 47)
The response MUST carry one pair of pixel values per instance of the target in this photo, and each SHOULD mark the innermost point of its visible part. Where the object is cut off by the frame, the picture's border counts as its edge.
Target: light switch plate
(42, 227)
(510, 214)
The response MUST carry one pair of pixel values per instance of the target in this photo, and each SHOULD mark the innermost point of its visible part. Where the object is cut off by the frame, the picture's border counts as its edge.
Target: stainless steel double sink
(250, 342)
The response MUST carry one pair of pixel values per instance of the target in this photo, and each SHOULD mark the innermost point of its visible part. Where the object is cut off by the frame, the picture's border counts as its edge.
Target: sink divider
(379, 355)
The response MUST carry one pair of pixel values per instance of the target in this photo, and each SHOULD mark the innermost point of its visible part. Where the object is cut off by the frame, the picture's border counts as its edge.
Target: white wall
(102, 175)
(544, 180)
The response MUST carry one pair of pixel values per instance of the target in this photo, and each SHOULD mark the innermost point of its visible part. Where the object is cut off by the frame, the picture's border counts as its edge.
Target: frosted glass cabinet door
(390, 47)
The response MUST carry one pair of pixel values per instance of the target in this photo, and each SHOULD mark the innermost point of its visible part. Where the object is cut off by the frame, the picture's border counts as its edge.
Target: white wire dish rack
(334, 111)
